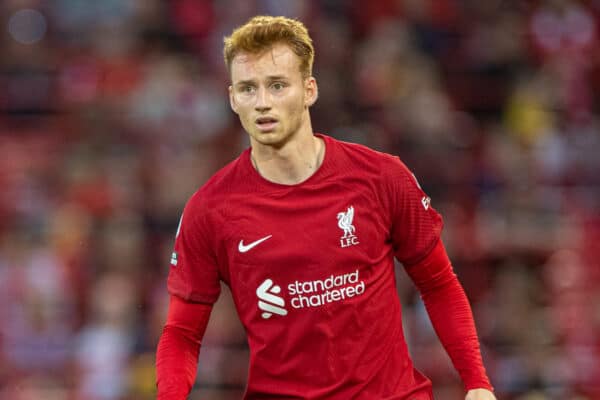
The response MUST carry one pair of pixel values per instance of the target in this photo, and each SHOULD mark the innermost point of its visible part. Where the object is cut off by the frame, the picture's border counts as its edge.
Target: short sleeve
(194, 274)
(416, 225)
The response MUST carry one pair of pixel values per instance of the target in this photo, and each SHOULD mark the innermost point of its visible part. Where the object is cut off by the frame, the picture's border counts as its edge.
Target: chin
(267, 138)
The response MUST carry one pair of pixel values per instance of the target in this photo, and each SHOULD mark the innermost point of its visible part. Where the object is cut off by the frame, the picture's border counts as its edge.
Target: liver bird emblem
(345, 221)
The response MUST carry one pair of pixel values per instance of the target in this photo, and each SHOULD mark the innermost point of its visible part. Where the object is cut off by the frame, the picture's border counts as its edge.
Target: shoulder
(364, 158)
(222, 185)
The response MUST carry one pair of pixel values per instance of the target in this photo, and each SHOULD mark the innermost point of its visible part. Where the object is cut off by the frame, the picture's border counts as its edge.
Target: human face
(271, 97)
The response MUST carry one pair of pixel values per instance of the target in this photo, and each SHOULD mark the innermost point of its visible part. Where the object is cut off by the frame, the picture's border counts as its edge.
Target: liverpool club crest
(345, 223)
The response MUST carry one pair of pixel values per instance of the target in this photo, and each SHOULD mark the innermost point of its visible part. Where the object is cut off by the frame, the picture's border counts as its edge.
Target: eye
(246, 89)
(277, 86)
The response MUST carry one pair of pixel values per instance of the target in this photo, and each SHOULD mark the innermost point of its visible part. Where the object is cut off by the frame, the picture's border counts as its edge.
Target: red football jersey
(311, 271)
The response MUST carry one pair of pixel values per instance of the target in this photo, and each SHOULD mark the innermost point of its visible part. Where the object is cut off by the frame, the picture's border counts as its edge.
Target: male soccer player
(304, 230)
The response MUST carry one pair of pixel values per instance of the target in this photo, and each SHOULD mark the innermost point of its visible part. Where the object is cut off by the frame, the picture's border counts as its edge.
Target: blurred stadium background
(113, 112)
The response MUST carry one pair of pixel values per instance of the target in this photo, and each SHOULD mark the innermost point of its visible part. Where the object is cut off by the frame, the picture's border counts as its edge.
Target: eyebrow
(277, 78)
(244, 83)
(269, 78)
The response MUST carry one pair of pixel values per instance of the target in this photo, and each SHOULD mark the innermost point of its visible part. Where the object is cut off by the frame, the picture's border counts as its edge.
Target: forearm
(451, 316)
(452, 319)
(179, 347)
(176, 362)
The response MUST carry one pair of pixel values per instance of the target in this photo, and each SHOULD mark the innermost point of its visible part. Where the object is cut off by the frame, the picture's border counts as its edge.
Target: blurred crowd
(113, 112)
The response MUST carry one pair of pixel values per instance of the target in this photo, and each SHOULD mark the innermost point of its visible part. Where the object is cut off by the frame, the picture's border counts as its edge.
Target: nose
(263, 102)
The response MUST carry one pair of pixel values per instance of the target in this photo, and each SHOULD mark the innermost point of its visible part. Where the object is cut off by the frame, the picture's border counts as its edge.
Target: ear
(311, 91)
(232, 103)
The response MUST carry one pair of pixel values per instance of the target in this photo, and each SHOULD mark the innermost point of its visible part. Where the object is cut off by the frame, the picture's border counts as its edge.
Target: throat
(292, 169)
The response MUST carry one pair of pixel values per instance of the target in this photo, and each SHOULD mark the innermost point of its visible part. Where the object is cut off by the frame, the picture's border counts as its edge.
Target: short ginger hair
(262, 32)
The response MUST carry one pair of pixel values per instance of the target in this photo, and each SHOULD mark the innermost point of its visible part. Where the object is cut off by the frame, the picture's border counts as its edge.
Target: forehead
(277, 60)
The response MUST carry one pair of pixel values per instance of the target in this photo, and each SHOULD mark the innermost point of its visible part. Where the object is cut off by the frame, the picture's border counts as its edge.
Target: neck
(291, 164)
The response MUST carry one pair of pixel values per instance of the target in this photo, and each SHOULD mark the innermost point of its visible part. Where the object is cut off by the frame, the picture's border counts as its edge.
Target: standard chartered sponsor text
(319, 292)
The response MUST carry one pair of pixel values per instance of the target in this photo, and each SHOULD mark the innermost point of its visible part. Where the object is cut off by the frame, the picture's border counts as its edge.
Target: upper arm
(415, 225)
(194, 272)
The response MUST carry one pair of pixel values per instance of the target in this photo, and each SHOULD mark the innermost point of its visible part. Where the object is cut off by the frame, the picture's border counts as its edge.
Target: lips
(266, 124)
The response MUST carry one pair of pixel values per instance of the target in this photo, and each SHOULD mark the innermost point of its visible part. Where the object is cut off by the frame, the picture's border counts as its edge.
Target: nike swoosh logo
(244, 248)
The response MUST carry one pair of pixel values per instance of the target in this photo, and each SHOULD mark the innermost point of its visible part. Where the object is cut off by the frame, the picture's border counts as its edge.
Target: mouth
(266, 124)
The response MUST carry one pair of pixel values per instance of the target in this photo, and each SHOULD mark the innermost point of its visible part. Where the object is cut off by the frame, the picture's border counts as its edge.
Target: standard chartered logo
(268, 301)
(306, 294)
(320, 292)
